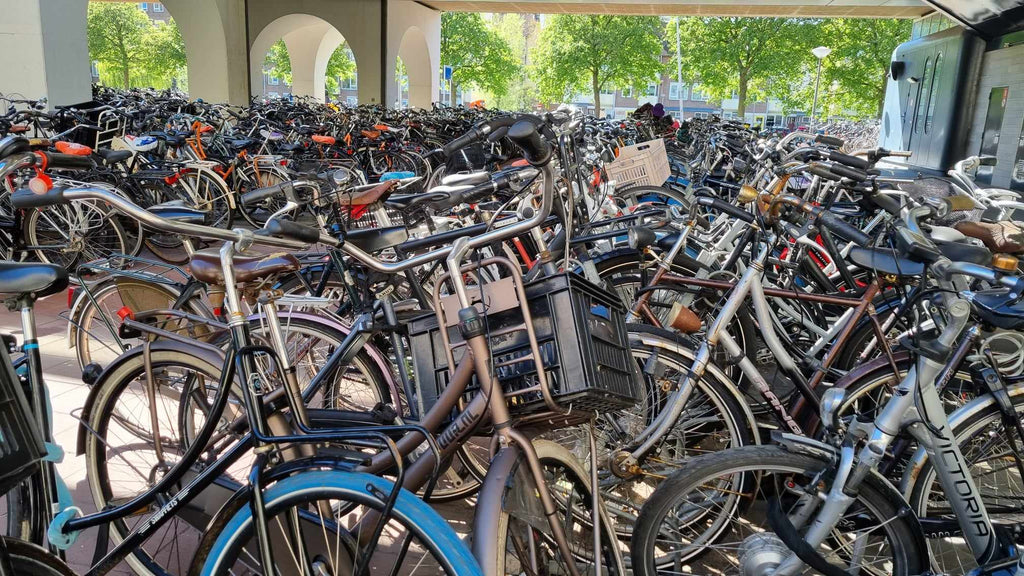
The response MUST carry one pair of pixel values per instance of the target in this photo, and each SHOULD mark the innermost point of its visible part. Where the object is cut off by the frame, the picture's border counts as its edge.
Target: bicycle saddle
(380, 192)
(884, 262)
(376, 239)
(111, 157)
(32, 278)
(999, 308)
(205, 266)
(1006, 237)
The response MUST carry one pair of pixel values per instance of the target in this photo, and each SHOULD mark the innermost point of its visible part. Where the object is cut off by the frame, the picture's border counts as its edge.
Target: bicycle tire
(222, 544)
(750, 464)
(26, 558)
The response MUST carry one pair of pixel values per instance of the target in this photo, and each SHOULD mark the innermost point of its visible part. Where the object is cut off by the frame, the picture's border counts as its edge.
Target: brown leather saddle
(205, 266)
(1001, 237)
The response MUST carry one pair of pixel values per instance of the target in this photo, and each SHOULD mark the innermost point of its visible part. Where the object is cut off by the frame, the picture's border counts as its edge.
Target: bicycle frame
(916, 407)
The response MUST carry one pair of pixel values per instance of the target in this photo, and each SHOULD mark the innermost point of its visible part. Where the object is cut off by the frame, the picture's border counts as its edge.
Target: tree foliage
(596, 51)
(278, 64)
(478, 55)
(131, 49)
(853, 75)
(752, 56)
(519, 32)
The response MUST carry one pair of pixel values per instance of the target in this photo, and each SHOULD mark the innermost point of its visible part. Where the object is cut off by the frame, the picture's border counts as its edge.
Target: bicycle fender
(90, 401)
(408, 507)
(489, 504)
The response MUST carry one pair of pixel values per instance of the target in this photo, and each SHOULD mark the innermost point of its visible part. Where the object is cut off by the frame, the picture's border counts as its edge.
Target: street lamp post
(820, 53)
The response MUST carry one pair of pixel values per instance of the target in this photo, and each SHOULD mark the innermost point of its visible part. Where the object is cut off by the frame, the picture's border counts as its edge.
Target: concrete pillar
(414, 34)
(215, 46)
(44, 50)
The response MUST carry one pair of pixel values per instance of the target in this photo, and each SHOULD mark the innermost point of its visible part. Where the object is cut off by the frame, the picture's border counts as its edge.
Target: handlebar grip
(829, 140)
(722, 206)
(848, 172)
(835, 224)
(822, 171)
(292, 230)
(254, 196)
(25, 198)
(57, 161)
(535, 149)
(851, 161)
(885, 202)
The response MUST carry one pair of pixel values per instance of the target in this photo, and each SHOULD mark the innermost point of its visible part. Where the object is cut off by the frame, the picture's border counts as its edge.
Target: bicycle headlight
(831, 400)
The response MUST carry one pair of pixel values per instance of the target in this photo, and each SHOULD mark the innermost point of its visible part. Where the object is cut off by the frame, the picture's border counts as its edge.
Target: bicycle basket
(644, 164)
(21, 443)
(583, 342)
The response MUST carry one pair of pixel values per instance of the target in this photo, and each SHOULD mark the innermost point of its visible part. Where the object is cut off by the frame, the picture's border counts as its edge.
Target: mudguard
(90, 401)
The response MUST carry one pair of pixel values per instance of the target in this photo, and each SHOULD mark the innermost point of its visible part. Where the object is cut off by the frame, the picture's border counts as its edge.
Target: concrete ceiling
(779, 8)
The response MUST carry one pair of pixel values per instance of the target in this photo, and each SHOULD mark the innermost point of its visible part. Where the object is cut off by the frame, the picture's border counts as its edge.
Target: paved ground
(68, 394)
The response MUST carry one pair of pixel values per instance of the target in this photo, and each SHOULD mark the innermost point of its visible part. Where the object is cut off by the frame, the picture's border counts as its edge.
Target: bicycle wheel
(525, 543)
(983, 439)
(122, 461)
(94, 328)
(208, 192)
(26, 558)
(713, 419)
(74, 233)
(325, 510)
(711, 517)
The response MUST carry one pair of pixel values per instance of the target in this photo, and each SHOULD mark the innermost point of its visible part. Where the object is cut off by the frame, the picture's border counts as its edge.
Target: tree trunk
(451, 84)
(881, 104)
(597, 94)
(741, 99)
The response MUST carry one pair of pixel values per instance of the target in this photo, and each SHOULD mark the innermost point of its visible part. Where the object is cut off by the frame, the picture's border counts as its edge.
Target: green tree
(117, 35)
(747, 55)
(519, 32)
(277, 63)
(599, 51)
(478, 55)
(856, 69)
(165, 51)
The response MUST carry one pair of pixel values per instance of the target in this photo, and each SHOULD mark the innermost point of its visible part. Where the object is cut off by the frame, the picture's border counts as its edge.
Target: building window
(677, 91)
(652, 89)
(607, 91)
(273, 95)
(144, 6)
(274, 81)
(158, 7)
(627, 92)
(349, 83)
(697, 95)
(351, 100)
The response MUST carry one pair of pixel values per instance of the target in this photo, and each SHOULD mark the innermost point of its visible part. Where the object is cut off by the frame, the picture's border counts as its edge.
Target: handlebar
(244, 238)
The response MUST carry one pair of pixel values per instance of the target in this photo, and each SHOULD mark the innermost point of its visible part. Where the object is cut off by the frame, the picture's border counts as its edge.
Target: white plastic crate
(643, 164)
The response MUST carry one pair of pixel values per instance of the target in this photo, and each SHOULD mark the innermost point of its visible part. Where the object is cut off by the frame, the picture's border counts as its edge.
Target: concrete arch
(414, 35)
(415, 55)
(357, 21)
(310, 40)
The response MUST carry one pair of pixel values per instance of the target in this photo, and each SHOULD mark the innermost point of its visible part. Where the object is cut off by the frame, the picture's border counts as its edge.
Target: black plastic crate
(583, 342)
(21, 444)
